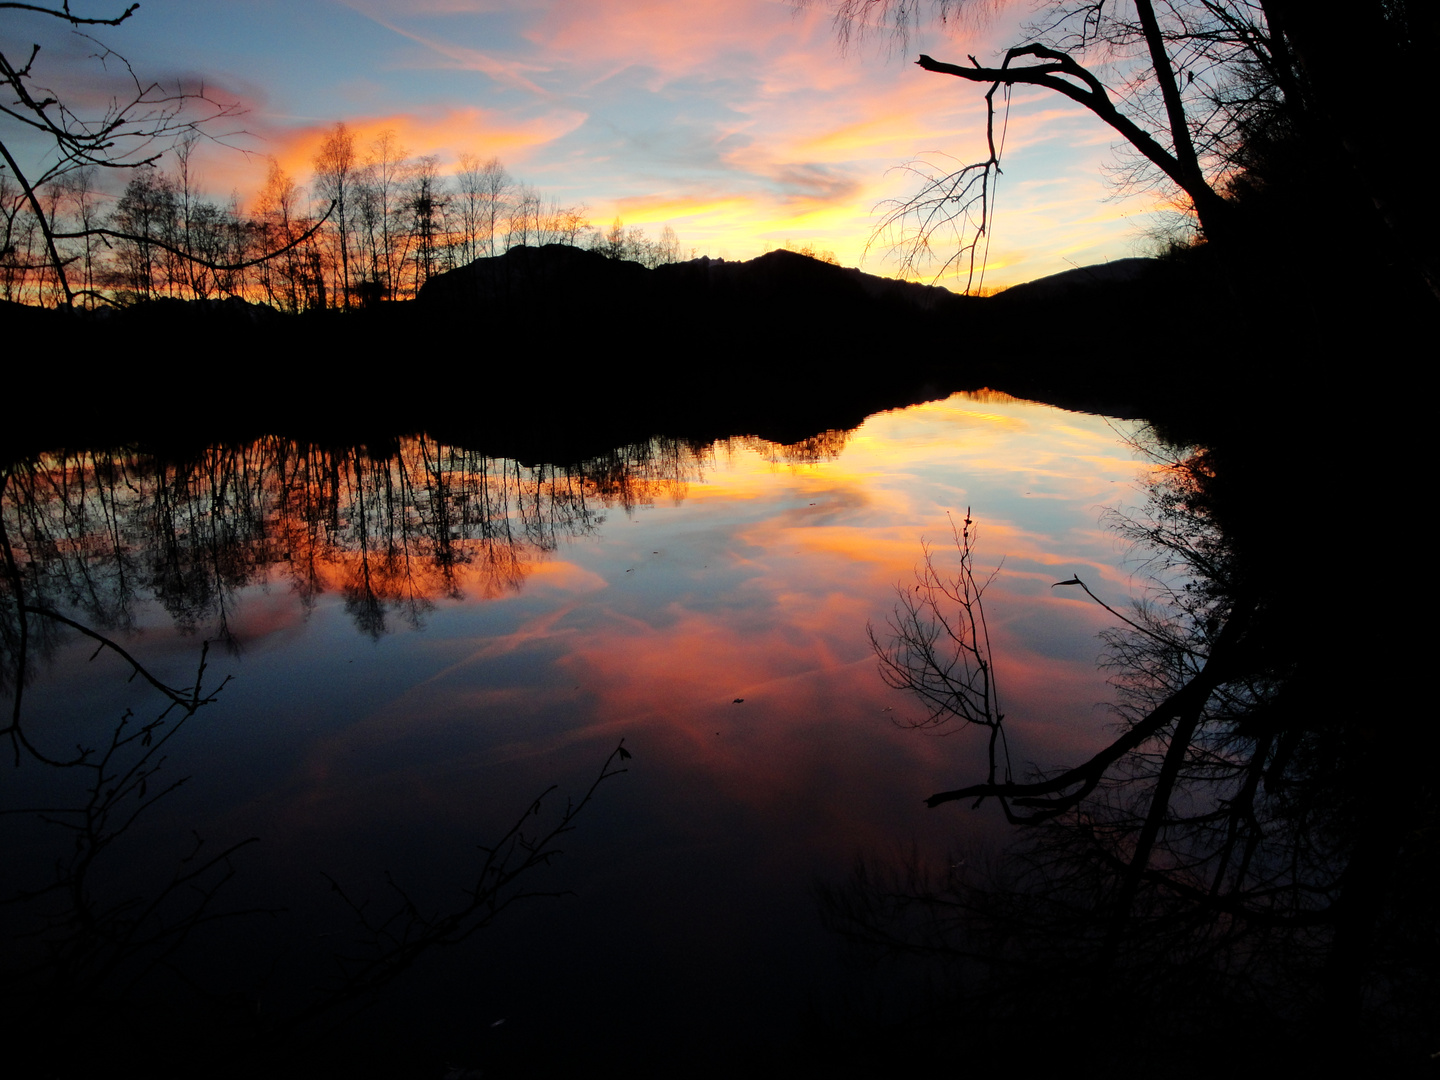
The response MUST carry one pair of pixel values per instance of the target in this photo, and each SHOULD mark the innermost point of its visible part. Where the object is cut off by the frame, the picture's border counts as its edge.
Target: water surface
(419, 640)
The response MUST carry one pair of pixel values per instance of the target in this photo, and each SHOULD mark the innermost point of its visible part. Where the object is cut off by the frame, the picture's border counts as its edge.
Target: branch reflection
(392, 528)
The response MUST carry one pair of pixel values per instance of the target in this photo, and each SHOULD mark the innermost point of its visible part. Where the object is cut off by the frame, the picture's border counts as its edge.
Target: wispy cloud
(738, 121)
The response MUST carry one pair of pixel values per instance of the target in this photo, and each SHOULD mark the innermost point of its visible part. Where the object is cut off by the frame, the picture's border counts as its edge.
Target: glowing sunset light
(740, 124)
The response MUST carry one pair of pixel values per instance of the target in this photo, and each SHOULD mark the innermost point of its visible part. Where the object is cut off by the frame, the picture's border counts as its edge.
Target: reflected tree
(1229, 853)
(94, 946)
(392, 527)
(80, 949)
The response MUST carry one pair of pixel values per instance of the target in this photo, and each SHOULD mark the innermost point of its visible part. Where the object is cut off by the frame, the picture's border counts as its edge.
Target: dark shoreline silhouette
(555, 353)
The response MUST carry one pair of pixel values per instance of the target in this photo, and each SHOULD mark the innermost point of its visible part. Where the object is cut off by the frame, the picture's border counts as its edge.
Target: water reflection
(555, 610)
(1220, 865)
(391, 528)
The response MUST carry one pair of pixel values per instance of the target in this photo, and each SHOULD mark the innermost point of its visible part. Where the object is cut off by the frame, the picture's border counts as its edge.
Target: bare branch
(1061, 73)
(393, 942)
(190, 256)
(132, 132)
(63, 12)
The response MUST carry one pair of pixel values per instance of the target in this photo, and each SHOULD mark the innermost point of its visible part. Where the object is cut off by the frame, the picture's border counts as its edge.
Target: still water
(419, 640)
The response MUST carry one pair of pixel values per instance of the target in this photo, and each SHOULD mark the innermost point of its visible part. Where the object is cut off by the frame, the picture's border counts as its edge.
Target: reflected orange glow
(741, 570)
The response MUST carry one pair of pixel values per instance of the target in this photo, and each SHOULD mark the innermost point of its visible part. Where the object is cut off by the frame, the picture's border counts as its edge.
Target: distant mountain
(557, 273)
(1080, 280)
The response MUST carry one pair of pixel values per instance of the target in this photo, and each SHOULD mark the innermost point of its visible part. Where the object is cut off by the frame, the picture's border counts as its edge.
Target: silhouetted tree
(427, 204)
(382, 212)
(146, 214)
(1195, 78)
(481, 194)
(634, 245)
(335, 179)
(1222, 847)
(131, 133)
(280, 225)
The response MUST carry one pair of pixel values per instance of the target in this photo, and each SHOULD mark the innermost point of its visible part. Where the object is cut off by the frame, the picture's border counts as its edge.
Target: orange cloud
(446, 133)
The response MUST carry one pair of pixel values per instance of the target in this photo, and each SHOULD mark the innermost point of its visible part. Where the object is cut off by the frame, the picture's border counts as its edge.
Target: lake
(415, 641)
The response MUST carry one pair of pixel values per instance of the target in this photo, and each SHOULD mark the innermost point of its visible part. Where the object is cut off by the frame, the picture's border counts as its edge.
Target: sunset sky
(739, 123)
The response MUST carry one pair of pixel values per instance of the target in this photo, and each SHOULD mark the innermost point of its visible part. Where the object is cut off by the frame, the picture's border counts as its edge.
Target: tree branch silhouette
(123, 137)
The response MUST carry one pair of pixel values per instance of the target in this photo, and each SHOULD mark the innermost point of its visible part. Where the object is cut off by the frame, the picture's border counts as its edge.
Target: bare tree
(335, 179)
(80, 188)
(667, 250)
(633, 244)
(135, 129)
(496, 187)
(523, 221)
(427, 204)
(1185, 84)
(383, 211)
(471, 205)
(145, 215)
(277, 211)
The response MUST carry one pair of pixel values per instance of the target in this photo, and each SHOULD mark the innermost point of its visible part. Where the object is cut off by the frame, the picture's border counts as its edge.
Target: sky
(739, 123)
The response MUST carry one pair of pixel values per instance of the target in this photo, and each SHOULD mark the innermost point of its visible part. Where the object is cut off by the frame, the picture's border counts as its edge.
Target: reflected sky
(716, 621)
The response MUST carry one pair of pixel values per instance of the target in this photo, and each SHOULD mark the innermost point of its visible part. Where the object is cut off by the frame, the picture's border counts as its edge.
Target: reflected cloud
(636, 594)
(761, 565)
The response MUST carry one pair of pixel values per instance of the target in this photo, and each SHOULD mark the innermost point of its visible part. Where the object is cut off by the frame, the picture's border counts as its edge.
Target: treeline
(373, 223)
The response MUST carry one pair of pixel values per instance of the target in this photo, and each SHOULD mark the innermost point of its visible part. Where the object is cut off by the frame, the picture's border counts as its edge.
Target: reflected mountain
(556, 353)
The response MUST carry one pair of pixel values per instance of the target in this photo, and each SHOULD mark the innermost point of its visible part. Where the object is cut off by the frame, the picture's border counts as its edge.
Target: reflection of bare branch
(91, 944)
(187, 699)
(939, 649)
(390, 943)
(1196, 801)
